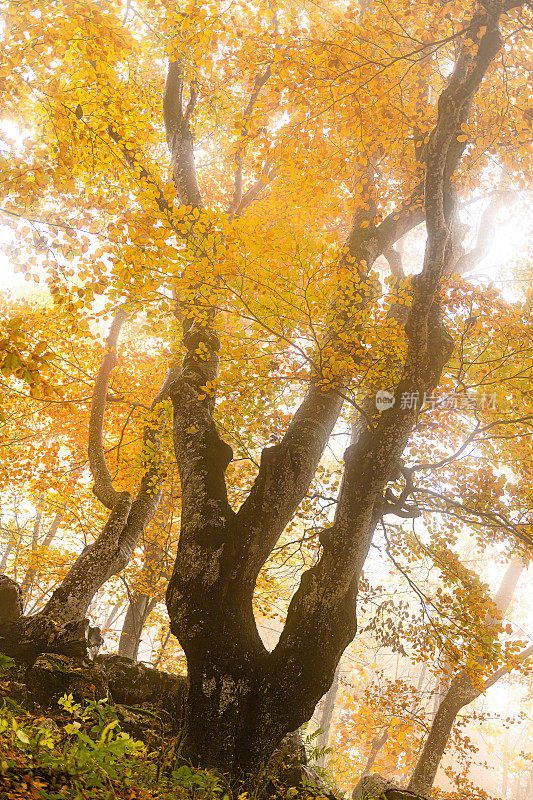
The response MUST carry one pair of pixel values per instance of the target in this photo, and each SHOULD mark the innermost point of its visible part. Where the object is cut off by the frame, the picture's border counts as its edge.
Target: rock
(376, 787)
(150, 727)
(11, 605)
(48, 724)
(53, 675)
(133, 684)
(26, 638)
(289, 766)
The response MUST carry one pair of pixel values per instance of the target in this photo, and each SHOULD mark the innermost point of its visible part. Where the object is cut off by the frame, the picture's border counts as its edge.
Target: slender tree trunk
(111, 617)
(138, 612)
(32, 567)
(460, 693)
(505, 761)
(162, 650)
(377, 743)
(47, 541)
(143, 601)
(326, 717)
(67, 608)
(5, 555)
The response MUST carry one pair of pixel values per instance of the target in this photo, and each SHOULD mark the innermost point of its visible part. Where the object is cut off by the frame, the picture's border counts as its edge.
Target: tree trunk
(377, 743)
(143, 601)
(112, 550)
(32, 567)
(139, 609)
(5, 554)
(47, 541)
(28, 637)
(326, 717)
(111, 617)
(242, 700)
(458, 695)
(161, 653)
(461, 692)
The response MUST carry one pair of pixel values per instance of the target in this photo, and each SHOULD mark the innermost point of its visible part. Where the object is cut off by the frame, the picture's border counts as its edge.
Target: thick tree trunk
(242, 700)
(28, 637)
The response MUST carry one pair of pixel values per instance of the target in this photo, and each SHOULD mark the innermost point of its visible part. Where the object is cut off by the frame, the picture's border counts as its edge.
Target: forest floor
(85, 749)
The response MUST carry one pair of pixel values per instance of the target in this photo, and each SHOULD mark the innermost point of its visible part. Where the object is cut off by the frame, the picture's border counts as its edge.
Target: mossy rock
(376, 787)
(52, 676)
(134, 684)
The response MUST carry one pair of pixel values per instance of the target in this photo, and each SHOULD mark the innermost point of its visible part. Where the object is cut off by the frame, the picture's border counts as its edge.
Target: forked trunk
(242, 699)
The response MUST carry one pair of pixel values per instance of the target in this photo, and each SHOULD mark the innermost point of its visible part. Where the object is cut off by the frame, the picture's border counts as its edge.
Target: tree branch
(114, 547)
(179, 136)
(325, 598)
(103, 485)
(236, 201)
(500, 673)
(287, 469)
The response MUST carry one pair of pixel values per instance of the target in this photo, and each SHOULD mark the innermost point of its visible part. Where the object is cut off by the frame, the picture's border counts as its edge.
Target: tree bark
(138, 612)
(458, 695)
(377, 743)
(143, 601)
(47, 541)
(5, 554)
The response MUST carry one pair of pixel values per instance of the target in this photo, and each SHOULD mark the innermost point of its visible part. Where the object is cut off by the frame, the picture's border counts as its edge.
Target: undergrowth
(82, 754)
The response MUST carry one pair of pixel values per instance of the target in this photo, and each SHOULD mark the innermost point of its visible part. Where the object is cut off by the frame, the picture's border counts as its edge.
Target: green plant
(197, 784)
(90, 749)
(315, 753)
(5, 662)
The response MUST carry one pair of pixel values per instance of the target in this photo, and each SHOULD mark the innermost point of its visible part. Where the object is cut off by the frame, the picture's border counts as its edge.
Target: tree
(464, 688)
(242, 700)
(112, 549)
(145, 596)
(256, 288)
